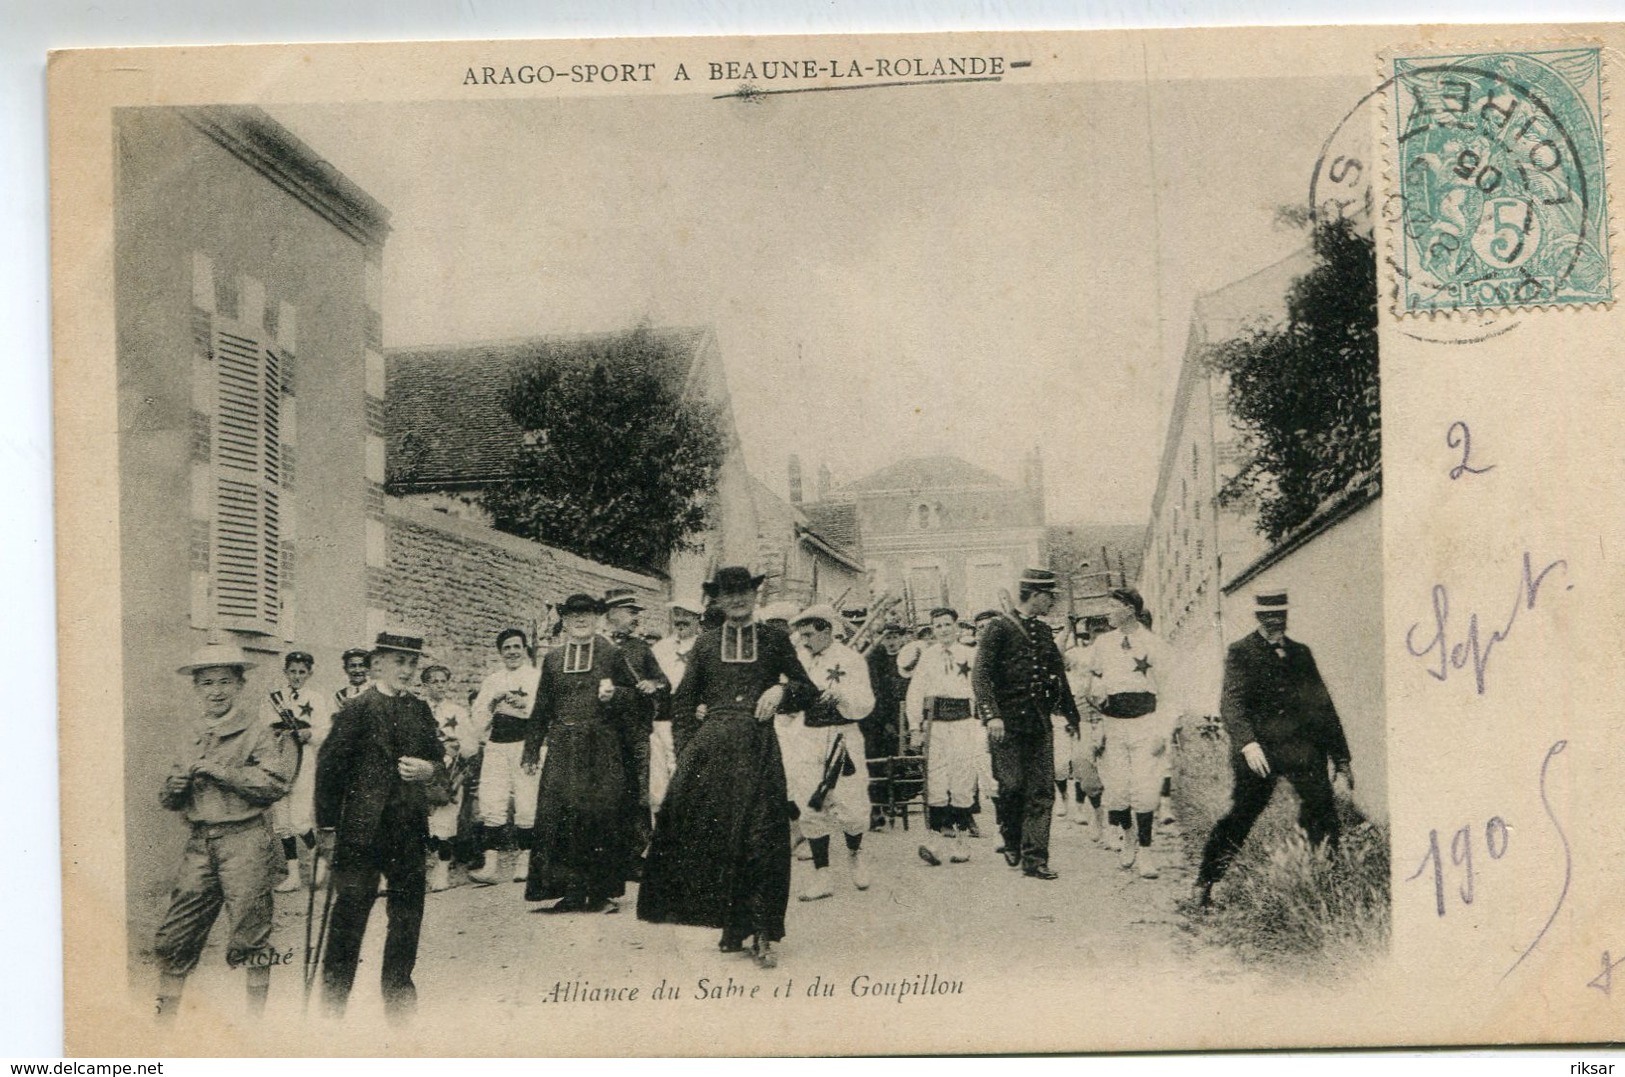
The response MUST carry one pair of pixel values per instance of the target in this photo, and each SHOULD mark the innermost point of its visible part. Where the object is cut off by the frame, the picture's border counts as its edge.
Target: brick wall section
(461, 583)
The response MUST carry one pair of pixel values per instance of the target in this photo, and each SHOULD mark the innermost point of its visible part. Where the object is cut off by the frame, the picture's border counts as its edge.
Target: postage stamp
(1499, 161)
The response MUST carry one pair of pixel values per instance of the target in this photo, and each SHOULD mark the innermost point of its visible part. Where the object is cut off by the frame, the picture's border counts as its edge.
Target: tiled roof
(445, 410)
(926, 473)
(836, 522)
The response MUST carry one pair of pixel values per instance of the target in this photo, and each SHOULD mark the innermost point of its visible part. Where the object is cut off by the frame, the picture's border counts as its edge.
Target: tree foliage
(1305, 394)
(617, 466)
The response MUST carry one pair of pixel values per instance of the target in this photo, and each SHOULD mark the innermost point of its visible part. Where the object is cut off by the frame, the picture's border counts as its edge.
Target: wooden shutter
(247, 559)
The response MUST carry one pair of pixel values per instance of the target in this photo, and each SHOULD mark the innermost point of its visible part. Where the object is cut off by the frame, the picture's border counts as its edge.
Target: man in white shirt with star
(1126, 665)
(939, 709)
(292, 712)
(825, 751)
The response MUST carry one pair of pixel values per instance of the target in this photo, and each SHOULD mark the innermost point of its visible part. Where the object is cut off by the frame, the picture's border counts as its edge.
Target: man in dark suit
(378, 773)
(1019, 680)
(1281, 723)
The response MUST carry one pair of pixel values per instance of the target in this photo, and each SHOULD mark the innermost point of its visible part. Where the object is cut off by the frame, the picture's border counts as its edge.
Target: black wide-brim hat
(581, 603)
(733, 578)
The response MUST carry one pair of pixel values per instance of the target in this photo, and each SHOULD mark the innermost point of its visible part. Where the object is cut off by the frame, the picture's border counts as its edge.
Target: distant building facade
(251, 375)
(940, 530)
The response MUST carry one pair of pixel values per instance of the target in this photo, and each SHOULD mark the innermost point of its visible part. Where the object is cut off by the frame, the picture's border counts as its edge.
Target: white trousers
(846, 807)
(502, 780)
(954, 757)
(662, 763)
(295, 814)
(1135, 759)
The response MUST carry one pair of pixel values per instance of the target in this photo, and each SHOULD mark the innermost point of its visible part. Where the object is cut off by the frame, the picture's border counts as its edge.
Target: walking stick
(313, 958)
(310, 913)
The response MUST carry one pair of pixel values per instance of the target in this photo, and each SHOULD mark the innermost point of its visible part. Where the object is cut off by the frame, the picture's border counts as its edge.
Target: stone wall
(461, 583)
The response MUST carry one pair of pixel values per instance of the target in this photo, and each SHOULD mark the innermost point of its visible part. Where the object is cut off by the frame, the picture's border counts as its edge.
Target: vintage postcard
(978, 543)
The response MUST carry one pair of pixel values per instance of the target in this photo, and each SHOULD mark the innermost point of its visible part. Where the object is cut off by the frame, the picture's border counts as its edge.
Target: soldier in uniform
(378, 776)
(672, 652)
(1281, 724)
(622, 612)
(232, 768)
(1020, 681)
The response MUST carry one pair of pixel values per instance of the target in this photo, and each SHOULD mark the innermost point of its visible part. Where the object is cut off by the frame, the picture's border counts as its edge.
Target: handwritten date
(1445, 650)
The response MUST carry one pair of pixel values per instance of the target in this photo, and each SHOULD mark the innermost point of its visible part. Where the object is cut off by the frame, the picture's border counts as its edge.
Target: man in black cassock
(587, 708)
(721, 850)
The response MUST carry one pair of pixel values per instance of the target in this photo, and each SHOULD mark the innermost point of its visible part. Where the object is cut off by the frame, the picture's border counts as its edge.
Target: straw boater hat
(617, 597)
(823, 611)
(399, 642)
(217, 655)
(1270, 602)
(733, 578)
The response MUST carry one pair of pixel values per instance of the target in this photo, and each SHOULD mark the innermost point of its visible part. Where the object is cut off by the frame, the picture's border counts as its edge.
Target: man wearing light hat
(231, 769)
(378, 775)
(672, 652)
(1020, 680)
(1281, 724)
(824, 752)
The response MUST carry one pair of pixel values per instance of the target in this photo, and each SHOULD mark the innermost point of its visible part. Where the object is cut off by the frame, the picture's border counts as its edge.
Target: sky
(971, 269)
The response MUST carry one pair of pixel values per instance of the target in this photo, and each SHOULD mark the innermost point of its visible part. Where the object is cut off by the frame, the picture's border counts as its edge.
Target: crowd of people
(699, 763)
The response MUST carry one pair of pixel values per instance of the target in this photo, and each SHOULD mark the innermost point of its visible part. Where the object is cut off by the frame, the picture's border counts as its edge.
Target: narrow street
(483, 946)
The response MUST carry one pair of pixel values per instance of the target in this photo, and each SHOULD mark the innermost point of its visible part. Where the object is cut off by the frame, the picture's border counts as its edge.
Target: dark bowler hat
(1038, 579)
(398, 642)
(733, 578)
(617, 597)
(581, 603)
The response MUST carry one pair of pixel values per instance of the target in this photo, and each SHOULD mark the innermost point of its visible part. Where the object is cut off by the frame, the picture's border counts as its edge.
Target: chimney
(823, 481)
(795, 479)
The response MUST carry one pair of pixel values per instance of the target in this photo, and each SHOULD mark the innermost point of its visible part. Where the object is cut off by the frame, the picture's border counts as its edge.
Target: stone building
(940, 530)
(451, 436)
(251, 374)
(810, 552)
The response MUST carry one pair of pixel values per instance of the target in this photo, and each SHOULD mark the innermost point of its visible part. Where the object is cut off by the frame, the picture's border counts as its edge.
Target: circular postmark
(1494, 206)
(1341, 187)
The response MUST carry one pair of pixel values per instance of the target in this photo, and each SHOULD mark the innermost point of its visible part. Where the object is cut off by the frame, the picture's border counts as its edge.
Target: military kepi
(618, 597)
(1041, 579)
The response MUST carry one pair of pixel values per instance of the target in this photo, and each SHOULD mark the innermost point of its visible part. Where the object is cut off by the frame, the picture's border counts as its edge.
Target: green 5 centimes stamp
(1502, 200)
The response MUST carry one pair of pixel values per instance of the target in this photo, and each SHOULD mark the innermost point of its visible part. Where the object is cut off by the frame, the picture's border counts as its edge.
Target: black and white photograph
(813, 546)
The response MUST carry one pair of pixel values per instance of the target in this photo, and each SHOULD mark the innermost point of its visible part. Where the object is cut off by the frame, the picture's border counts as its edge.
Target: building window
(245, 566)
